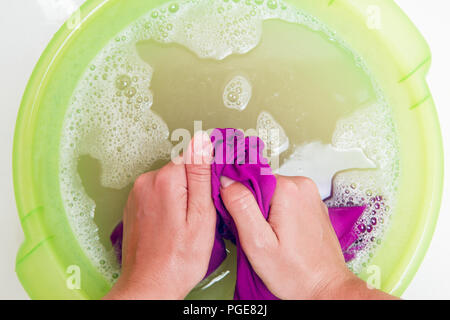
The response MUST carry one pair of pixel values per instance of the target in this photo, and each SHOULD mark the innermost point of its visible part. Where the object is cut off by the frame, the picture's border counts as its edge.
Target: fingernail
(202, 148)
(226, 182)
(207, 145)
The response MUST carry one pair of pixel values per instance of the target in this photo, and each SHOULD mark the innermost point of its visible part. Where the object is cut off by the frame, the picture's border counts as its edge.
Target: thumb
(255, 233)
(198, 175)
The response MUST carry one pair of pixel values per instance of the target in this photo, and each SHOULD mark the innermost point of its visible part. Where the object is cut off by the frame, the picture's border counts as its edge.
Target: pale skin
(169, 225)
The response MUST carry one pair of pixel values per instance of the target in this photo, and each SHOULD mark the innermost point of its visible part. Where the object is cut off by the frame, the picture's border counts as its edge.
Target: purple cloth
(240, 158)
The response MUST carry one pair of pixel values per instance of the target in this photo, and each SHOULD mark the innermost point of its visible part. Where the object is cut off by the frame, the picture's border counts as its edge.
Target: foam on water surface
(272, 133)
(237, 93)
(110, 116)
(321, 162)
(370, 129)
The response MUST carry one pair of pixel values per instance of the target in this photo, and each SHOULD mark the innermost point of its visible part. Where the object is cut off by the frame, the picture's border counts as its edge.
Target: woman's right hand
(296, 251)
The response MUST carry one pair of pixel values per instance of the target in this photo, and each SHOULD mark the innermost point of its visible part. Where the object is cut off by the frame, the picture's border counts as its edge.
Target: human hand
(296, 252)
(169, 223)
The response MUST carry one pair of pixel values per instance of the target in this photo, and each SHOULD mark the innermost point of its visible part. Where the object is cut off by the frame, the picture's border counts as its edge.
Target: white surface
(431, 17)
(312, 160)
(26, 26)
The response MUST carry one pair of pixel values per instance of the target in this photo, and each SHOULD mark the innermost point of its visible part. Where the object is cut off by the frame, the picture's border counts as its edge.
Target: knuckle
(278, 206)
(142, 181)
(199, 173)
(262, 242)
(201, 207)
(288, 186)
(163, 178)
(240, 199)
(306, 185)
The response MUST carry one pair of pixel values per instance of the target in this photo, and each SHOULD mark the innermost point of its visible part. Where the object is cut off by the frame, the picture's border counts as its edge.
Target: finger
(295, 203)
(282, 206)
(255, 233)
(198, 174)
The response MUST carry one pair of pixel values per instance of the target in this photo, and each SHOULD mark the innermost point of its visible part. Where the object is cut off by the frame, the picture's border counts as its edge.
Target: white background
(26, 26)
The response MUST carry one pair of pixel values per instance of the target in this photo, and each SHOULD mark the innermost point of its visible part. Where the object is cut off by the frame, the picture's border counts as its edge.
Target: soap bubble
(173, 7)
(237, 93)
(272, 4)
(122, 82)
(271, 132)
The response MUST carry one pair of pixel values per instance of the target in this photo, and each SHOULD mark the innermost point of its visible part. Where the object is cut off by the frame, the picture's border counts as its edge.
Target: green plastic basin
(396, 54)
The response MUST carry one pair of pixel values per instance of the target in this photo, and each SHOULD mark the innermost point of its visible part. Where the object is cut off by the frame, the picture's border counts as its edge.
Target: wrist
(349, 287)
(343, 286)
(126, 289)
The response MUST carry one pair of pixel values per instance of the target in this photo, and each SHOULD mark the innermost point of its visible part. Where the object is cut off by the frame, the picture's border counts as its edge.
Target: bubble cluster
(271, 132)
(110, 119)
(216, 29)
(237, 93)
(372, 130)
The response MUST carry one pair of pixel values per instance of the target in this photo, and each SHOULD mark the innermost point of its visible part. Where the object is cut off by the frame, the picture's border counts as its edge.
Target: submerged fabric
(240, 158)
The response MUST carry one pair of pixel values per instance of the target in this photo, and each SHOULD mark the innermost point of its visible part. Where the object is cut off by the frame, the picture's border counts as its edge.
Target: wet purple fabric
(240, 158)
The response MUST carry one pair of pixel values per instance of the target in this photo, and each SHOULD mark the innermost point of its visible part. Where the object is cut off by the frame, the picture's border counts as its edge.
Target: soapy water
(111, 107)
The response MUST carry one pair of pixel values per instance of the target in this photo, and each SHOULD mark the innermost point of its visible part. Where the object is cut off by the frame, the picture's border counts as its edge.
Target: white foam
(321, 162)
(217, 29)
(372, 130)
(237, 93)
(272, 133)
